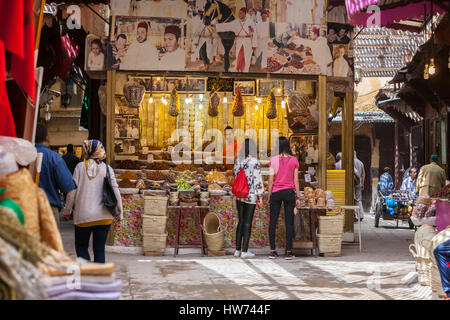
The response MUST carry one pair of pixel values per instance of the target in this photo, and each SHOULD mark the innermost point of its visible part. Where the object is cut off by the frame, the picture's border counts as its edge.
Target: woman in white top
(246, 207)
(90, 214)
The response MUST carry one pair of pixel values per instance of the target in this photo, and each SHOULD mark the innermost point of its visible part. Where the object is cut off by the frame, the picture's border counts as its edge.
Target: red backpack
(240, 186)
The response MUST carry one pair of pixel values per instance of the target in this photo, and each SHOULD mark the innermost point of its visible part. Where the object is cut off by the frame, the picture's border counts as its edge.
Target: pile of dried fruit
(184, 167)
(126, 183)
(216, 176)
(128, 175)
(214, 186)
(158, 166)
(156, 175)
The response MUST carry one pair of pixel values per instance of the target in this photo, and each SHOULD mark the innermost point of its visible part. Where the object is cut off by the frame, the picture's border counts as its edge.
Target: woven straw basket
(436, 284)
(423, 267)
(154, 242)
(331, 225)
(213, 232)
(329, 243)
(154, 224)
(155, 205)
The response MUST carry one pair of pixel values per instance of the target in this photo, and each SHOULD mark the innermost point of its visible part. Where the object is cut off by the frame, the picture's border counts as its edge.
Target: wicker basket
(154, 224)
(213, 232)
(423, 267)
(155, 205)
(329, 243)
(436, 284)
(154, 242)
(331, 225)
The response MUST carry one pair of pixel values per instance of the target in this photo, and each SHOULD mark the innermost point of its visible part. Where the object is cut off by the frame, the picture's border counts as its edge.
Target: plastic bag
(7, 162)
(24, 151)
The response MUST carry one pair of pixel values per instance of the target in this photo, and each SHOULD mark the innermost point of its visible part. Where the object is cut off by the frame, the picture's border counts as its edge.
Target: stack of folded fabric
(94, 281)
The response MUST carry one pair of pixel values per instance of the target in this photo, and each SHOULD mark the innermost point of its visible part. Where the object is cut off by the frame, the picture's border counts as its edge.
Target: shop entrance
(363, 147)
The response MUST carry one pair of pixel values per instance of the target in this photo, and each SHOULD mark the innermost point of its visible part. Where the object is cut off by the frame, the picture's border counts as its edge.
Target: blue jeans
(82, 237)
(442, 255)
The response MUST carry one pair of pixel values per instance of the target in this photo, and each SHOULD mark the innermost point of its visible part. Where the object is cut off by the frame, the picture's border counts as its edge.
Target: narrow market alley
(374, 274)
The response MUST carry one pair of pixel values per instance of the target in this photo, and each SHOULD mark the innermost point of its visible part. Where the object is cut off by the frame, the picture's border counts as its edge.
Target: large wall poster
(256, 36)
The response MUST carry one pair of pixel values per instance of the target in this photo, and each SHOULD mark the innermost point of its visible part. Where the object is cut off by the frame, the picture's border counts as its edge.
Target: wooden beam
(110, 90)
(323, 126)
(348, 143)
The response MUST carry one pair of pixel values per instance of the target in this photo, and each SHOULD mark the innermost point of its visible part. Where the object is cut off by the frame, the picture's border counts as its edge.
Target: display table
(181, 214)
(128, 231)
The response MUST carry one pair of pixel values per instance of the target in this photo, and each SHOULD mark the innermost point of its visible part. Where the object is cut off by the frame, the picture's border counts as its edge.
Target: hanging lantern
(238, 104)
(134, 93)
(213, 106)
(174, 105)
(271, 105)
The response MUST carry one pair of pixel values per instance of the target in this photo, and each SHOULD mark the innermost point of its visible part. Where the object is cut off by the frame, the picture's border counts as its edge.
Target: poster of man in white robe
(248, 36)
(152, 43)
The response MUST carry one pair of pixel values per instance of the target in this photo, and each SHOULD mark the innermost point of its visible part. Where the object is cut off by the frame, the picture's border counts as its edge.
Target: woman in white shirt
(247, 161)
(90, 214)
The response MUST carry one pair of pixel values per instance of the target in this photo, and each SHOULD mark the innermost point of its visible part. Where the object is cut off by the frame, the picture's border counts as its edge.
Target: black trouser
(244, 227)
(82, 237)
(286, 196)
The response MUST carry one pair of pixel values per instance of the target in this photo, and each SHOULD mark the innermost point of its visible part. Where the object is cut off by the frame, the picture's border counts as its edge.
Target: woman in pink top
(283, 187)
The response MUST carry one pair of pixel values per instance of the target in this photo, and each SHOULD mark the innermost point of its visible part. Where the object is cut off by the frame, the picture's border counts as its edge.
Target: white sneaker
(237, 253)
(247, 254)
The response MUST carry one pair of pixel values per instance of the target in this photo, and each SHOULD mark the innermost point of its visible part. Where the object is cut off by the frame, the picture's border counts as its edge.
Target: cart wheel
(411, 224)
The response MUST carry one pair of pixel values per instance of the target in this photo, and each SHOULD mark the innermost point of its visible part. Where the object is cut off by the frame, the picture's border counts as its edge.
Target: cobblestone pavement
(374, 274)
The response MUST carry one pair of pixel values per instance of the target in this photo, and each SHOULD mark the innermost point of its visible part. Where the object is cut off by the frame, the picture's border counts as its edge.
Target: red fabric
(240, 186)
(240, 65)
(7, 127)
(22, 67)
(11, 31)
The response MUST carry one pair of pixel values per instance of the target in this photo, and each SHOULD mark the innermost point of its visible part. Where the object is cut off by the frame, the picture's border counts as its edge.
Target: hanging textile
(85, 104)
(7, 127)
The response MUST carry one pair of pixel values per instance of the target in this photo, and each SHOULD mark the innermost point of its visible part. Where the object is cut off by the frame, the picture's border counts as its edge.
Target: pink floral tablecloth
(128, 232)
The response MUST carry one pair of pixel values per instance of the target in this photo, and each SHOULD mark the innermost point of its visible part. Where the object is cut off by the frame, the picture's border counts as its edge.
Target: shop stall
(167, 111)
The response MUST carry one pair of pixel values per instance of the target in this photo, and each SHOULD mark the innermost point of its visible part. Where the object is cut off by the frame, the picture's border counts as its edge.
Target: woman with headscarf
(90, 214)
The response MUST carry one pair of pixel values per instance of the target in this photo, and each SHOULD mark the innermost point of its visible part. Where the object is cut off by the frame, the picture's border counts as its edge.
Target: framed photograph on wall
(126, 146)
(265, 86)
(178, 83)
(197, 84)
(120, 128)
(247, 87)
(133, 128)
(158, 84)
(95, 53)
(146, 81)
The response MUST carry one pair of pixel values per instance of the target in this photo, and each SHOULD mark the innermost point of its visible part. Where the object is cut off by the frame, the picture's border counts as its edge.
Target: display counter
(128, 231)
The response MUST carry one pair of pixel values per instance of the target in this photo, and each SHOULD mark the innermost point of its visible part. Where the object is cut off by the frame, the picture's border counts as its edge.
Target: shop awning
(368, 117)
(397, 14)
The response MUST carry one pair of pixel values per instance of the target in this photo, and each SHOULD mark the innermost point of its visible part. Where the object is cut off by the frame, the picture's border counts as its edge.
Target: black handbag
(109, 198)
